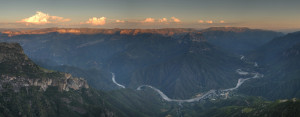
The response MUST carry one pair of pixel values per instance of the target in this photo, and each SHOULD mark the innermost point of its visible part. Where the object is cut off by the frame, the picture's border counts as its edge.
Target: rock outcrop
(63, 83)
(17, 70)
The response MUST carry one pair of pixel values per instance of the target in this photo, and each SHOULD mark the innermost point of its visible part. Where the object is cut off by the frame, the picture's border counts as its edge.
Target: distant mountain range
(182, 63)
(234, 39)
(238, 40)
(154, 58)
(166, 31)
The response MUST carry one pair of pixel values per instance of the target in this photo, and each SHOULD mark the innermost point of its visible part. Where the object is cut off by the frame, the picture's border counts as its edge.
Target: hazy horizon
(285, 31)
(277, 15)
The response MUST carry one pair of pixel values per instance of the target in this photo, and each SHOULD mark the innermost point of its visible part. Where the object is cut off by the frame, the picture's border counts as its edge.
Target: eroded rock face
(12, 52)
(63, 83)
(17, 70)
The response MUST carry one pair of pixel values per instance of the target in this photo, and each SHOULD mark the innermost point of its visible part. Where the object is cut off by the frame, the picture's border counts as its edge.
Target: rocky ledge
(17, 71)
(63, 83)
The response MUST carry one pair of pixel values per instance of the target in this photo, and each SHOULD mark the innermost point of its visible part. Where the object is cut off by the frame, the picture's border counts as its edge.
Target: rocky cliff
(19, 71)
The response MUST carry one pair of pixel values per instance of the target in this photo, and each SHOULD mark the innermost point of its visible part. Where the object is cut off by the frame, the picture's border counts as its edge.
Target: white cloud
(175, 19)
(120, 21)
(209, 21)
(200, 21)
(43, 18)
(163, 20)
(222, 21)
(149, 20)
(96, 21)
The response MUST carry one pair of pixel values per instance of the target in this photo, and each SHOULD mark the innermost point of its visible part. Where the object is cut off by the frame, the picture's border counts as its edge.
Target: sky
(199, 14)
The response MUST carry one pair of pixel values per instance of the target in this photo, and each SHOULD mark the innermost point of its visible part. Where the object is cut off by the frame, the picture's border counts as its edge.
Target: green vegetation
(243, 106)
(32, 102)
(279, 62)
(181, 66)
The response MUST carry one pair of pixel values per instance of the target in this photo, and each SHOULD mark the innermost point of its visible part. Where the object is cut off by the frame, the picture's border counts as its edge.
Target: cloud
(149, 20)
(43, 18)
(209, 21)
(175, 19)
(120, 21)
(200, 21)
(222, 21)
(96, 21)
(163, 20)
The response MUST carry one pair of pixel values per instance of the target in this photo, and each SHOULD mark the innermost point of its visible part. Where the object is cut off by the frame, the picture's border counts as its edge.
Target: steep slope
(280, 62)
(153, 58)
(241, 106)
(28, 90)
(238, 40)
(182, 66)
(272, 51)
(97, 78)
(17, 68)
(197, 68)
(102, 50)
(142, 51)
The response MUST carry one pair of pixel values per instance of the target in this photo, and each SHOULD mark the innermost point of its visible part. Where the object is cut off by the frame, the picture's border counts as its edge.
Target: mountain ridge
(279, 60)
(238, 40)
(163, 31)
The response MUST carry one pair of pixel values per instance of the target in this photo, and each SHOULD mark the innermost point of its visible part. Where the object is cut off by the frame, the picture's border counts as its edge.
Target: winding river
(115, 82)
(208, 95)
